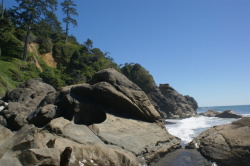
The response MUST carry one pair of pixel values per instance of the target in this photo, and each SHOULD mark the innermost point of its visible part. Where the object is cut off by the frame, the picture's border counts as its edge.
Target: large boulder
(209, 113)
(43, 115)
(228, 114)
(228, 145)
(119, 113)
(224, 114)
(171, 104)
(24, 100)
(5, 134)
(108, 92)
(144, 139)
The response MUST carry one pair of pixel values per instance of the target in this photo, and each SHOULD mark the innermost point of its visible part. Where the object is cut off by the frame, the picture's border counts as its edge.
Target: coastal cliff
(171, 104)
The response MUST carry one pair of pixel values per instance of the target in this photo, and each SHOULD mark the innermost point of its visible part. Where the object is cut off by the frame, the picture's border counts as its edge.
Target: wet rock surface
(183, 157)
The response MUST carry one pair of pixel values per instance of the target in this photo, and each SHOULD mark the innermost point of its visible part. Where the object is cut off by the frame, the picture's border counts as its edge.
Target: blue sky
(200, 47)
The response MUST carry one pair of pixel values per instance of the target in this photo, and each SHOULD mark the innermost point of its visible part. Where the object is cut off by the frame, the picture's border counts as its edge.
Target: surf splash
(188, 128)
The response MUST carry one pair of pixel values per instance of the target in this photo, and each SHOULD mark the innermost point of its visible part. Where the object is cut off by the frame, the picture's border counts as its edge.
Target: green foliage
(14, 71)
(52, 77)
(45, 45)
(76, 63)
(10, 45)
(68, 8)
(63, 52)
(139, 75)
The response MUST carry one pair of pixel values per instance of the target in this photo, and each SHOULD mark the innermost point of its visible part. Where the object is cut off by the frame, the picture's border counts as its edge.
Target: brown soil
(33, 48)
(48, 58)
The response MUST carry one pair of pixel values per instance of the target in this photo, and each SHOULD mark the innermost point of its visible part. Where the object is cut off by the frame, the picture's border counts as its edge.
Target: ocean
(188, 128)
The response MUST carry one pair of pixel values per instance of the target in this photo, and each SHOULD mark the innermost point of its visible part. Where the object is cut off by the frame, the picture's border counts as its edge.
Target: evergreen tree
(68, 7)
(88, 44)
(30, 12)
(2, 8)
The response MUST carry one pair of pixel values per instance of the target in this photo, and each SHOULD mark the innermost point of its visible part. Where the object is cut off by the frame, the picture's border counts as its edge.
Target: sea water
(188, 128)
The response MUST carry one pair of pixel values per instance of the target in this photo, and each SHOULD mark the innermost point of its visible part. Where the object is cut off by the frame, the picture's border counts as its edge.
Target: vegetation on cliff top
(76, 63)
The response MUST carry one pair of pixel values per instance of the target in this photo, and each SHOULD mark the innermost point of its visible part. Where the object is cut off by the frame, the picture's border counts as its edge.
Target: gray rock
(5, 134)
(171, 104)
(10, 162)
(46, 156)
(42, 115)
(210, 113)
(135, 95)
(79, 133)
(144, 139)
(228, 114)
(24, 100)
(115, 94)
(22, 140)
(228, 145)
(16, 115)
(184, 157)
(3, 121)
(33, 146)
(118, 112)
(109, 121)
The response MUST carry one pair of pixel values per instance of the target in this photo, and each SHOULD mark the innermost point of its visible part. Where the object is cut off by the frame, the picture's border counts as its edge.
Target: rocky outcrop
(108, 121)
(24, 100)
(228, 114)
(171, 104)
(224, 114)
(228, 145)
(108, 92)
(209, 113)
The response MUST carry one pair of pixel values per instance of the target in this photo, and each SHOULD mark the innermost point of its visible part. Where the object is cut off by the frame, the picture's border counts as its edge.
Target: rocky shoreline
(108, 121)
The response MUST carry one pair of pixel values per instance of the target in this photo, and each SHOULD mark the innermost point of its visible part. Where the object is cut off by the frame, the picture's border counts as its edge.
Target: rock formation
(108, 121)
(171, 104)
(209, 113)
(224, 114)
(24, 100)
(228, 114)
(228, 145)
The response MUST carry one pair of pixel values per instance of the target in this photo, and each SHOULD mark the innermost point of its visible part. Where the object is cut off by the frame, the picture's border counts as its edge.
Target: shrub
(10, 45)
(139, 75)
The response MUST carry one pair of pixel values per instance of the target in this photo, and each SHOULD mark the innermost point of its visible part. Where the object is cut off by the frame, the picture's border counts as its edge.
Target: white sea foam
(187, 129)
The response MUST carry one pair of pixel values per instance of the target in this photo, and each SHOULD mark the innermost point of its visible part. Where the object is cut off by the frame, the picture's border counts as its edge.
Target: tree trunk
(26, 44)
(2, 8)
(67, 31)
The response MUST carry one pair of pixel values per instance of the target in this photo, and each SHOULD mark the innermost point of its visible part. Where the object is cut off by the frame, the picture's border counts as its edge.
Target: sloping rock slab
(144, 139)
(10, 162)
(33, 146)
(229, 145)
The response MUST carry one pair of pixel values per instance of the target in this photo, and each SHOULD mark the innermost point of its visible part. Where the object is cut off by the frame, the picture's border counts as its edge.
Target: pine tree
(2, 8)
(68, 7)
(29, 13)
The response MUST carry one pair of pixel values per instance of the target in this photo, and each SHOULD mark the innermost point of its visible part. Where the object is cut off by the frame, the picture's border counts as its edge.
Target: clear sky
(200, 47)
